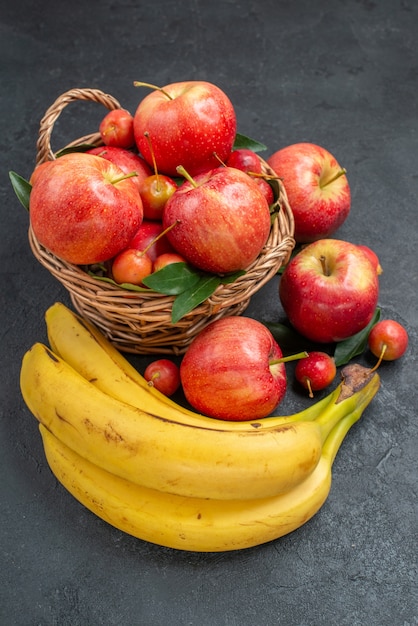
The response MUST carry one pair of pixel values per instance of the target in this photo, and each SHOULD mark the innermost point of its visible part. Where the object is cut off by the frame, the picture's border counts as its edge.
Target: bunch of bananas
(168, 475)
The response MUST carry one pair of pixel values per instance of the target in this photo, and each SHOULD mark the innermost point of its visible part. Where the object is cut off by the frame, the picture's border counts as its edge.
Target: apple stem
(140, 84)
(382, 354)
(325, 266)
(164, 232)
(292, 357)
(340, 172)
(219, 159)
(114, 181)
(180, 169)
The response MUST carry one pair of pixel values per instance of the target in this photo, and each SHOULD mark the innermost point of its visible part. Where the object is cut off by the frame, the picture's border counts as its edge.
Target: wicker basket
(140, 322)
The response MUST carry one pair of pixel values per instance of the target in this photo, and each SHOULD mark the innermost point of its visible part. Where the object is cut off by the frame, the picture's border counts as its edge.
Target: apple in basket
(219, 221)
(84, 209)
(317, 188)
(189, 123)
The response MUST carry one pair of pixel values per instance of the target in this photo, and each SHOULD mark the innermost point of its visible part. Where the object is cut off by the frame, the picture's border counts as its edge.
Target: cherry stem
(308, 383)
(325, 266)
(180, 170)
(382, 354)
(140, 84)
(164, 232)
(154, 162)
(340, 172)
(292, 357)
(114, 181)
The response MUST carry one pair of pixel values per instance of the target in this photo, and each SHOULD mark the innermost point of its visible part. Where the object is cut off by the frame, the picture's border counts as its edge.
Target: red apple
(245, 160)
(189, 123)
(317, 189)
(329, 290)
(127, 160)
(150, 232)
(84, 209)
(230, 370)
(117, 129)
(223, 220)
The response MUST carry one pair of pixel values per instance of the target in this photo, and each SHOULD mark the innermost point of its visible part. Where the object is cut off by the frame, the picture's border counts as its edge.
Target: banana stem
(338, 433)
(338, 410)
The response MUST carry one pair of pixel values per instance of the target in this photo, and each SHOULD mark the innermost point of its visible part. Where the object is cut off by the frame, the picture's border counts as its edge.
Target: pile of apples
(171, 164)
(168, 186)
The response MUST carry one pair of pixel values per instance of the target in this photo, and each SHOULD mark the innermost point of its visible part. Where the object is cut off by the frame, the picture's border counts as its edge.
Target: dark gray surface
(342, 74)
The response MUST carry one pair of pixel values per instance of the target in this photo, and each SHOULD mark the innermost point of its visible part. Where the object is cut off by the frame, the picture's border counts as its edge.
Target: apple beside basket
(140, 322)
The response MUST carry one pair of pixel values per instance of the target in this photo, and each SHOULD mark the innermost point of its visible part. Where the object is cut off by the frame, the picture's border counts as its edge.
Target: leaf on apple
(243, 142)
(22, 188)
(353, 346)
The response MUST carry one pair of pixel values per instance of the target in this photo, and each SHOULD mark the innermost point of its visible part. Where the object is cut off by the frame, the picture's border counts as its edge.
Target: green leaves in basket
(82, 147)
(353, 346)
(189, 286)
(22, 188)
(243, 142)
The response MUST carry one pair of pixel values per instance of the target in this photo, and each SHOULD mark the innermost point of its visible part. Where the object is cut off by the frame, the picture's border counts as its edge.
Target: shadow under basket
(140, 322)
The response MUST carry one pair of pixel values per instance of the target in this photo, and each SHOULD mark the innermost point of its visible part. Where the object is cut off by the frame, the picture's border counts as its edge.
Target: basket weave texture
(140, 322)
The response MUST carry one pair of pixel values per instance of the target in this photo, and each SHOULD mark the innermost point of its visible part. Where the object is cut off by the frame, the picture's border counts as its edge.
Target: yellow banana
(88, 351)
(195, 524)
(172, 456)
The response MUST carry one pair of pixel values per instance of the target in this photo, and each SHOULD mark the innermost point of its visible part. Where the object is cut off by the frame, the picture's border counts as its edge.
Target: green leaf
(127, 286)
(22, 188)
(353, 346)
(241, 141)
(231, 278)
(173, 279)
(82, 147)
(289, 340)
(192, 297)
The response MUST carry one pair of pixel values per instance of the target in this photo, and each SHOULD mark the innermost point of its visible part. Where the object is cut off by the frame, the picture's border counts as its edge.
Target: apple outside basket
(140, 322)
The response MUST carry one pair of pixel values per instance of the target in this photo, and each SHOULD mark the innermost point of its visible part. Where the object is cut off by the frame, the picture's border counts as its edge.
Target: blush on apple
(329, 290)
(223, 220)
(230, 370)
(84, 209)
(190, 123)
(317, 189)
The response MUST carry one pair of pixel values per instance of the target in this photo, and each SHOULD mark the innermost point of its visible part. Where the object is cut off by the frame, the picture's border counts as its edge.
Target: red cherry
(388, 340)
(155, 190)
(164, 375)
(167, 258)
(131, 266)
(316, 371)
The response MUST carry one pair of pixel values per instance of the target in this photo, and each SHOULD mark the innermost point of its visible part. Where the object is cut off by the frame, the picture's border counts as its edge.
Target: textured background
(342, 74)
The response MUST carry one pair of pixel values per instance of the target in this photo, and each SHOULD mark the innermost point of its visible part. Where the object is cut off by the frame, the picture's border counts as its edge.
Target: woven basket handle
(43, 145)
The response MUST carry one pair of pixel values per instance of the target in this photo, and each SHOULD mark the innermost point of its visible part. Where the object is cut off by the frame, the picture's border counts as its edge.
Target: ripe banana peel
(172, 456)
(196, 524)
